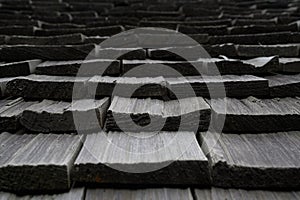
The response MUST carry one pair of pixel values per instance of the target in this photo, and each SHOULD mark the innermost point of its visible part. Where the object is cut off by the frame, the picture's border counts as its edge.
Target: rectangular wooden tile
(46, 87)
(22, 68)
(218, 86)
(284, 50)
(179, 163)
(159, 194)
(254, 115)
(290, 65)
(10, 113)
(80, 68)
(231, 194)
(271, 160)
(190, 114)
(37, 162)
(284, 85)
(53, 116)
(127, 86)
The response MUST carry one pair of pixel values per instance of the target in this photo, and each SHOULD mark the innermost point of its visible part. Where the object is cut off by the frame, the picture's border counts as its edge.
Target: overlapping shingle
(253, 160)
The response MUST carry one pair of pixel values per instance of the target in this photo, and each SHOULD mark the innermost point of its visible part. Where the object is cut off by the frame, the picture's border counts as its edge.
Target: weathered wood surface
(190, 114)
(38, 163)
(75, 193)
(254, 115)
(10, 113)
(290, 65)
(3, 83)
(46, 87)
(22, 68)
(80, 68)
(158, 194)
(127, 86)
(53, 116)
(153, 158)
(213, 66)
(232, 194)
(284, 50)
(14, 53)
(54, 40)
(284, 85)
(211, 86)
(101, 31)
(271, 160)
(256, 39)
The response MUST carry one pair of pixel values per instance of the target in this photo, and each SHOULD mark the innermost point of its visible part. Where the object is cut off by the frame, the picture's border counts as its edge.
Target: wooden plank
(261, 65)
(284, 50)
(101, 31)
(54, 40)
(284, 85)
(53, 116)
(231, 194)
(75, 193)
(3, 83)
(254, 115)
(271, 159)
(46, 87)
(127, 86)
(45, 52)
(175, 159)
(87, 68)
(190, 114)
(37, 163)
(22, 68)
(159, 194)
(290, 65)
(10, 113)
(211, 86)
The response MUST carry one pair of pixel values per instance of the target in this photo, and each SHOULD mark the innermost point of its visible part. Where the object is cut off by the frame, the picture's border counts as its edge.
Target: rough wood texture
(127, 86)
(158, 194)
(169, 158)
(3, 83)
(271, 160)
(211, 86)
(87, 68)
(284, 85)
(268, 50)
(261, 65)
(45, 52)
(232, 194)
(53, 116)
(190, 114)
(46, 87)
(290, 65)
(22, 68)
(54, 40)
(73, 194)
(37, 162)
(10, 113)
(254, 115)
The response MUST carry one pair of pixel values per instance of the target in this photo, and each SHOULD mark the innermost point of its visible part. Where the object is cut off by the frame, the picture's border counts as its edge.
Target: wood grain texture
(211, 86)
(284, 85)
(153, 158)
(290, 65)
(57, 116)
(231, 194)
(22, 68)
(127, 86)
(54, 40)
(254, 115)
(10, 113)
(261, 65)
(46, 87)
(271, 160)
(80, 68)
(159, 194)
(189, 114)
(37, 162)
(75, 193)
